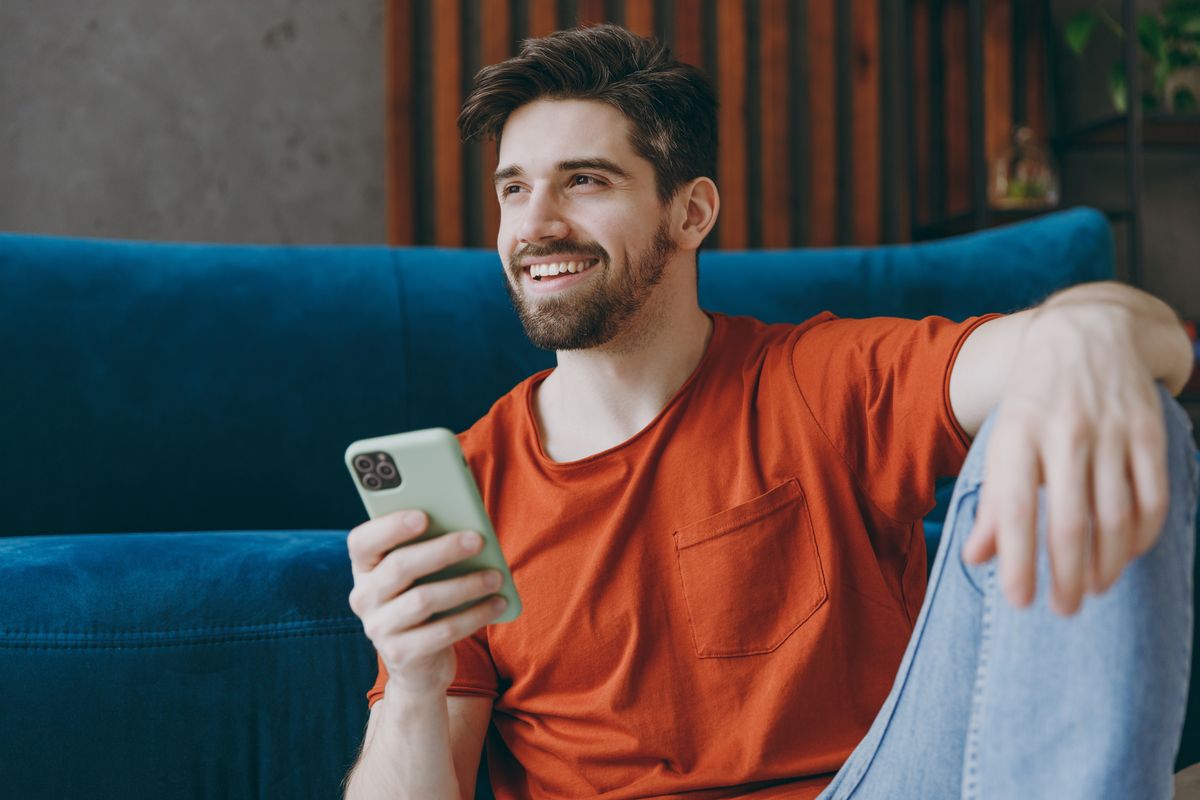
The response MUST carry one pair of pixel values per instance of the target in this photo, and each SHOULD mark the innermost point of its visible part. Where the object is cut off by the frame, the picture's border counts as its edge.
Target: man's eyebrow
(599, 164)
(506, 173)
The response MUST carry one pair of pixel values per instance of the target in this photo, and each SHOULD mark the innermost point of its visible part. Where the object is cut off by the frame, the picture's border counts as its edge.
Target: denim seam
(974, 723)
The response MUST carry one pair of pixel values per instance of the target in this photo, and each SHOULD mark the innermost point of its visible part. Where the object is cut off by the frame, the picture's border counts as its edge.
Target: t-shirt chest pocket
(751, 574)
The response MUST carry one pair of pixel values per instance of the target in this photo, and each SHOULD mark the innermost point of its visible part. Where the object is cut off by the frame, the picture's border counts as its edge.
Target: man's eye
(506, 189)
(589, 178)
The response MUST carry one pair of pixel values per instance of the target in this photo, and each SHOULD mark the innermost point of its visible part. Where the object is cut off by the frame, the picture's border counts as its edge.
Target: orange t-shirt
(718, 605)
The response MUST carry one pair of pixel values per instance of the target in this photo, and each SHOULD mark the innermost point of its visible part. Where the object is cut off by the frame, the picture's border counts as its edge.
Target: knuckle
(393, 652)
(420, 602)
(355, 599)
(442, 635)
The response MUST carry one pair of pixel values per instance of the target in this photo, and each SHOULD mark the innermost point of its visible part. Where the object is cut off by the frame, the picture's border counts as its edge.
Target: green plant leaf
(1079, 31)
(1150, 35)
(1183, 99)
(1116, 87)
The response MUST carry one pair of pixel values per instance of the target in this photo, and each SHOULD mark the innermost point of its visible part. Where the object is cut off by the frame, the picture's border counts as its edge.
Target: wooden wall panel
(496, 34)
(733, 221)
(997, 76)
(808, 119)
(591, 12)
(543, 17)
(688, 46)
(823, 134)
(1036, 103)
(401, 149)
(775, 152)
(447, 150)
(866, 163)
(956, 124)
(922, 144)
(639, 17)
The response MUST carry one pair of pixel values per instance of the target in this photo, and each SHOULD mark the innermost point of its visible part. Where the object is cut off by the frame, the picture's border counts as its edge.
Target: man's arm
(426, 748)
(989, 355)
(1078, 413)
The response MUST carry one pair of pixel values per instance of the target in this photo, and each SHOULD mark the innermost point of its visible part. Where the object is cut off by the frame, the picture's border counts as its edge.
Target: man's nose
(543, 218)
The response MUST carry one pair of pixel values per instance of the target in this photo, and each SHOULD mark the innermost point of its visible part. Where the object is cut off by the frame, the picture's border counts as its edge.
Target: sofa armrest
(180, 665)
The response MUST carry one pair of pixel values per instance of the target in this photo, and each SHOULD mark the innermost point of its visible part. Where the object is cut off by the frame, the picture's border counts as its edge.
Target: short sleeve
(475, 676)
(879, 389)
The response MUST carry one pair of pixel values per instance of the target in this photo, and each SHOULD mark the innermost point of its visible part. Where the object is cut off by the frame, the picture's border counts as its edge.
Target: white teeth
(558, 268)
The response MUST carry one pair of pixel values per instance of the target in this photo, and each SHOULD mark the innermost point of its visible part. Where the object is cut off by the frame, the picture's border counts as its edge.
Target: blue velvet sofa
(173, 502)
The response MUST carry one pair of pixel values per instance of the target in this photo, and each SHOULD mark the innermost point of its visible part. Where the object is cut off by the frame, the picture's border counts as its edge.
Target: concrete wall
(221, 120)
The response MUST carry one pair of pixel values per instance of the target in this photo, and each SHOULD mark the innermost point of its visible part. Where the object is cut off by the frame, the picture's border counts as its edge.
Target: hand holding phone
(427, 558)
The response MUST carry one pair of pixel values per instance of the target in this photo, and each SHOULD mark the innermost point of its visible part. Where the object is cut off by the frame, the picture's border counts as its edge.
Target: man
(715, 523)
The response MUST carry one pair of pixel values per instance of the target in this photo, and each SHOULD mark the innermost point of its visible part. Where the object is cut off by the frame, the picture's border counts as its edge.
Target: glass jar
(1025, 175)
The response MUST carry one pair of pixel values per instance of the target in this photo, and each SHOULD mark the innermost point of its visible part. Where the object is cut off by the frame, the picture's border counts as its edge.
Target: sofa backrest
(174, 387)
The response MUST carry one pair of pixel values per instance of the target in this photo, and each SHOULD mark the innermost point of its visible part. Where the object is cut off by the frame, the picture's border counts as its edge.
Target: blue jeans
(992, 702)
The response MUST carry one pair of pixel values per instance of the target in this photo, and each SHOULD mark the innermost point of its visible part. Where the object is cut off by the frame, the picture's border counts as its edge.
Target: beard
(592, 314)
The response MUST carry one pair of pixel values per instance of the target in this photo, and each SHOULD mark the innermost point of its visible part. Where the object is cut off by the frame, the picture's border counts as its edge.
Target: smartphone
(426, 470)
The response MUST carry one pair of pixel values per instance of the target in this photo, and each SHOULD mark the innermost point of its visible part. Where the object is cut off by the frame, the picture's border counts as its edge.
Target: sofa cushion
(214, 664)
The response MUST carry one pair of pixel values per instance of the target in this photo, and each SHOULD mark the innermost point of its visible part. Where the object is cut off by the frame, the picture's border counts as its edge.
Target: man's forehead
(552, 131)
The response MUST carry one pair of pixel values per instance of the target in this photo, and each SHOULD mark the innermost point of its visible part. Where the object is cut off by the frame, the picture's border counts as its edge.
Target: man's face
(576, 200)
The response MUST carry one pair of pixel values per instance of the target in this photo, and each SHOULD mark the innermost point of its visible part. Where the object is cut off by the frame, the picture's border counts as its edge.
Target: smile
(553, 270)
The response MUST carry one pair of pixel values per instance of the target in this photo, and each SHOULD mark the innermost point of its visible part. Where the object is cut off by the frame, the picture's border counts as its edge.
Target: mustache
(591, 249)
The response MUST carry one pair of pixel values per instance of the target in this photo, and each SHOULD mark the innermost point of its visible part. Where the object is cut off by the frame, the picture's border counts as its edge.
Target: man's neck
(598, 398)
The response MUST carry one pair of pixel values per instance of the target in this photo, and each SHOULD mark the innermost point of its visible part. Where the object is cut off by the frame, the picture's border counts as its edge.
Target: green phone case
(433, 477)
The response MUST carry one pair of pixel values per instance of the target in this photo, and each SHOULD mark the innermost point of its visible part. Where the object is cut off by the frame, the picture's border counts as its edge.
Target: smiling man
(715, 523)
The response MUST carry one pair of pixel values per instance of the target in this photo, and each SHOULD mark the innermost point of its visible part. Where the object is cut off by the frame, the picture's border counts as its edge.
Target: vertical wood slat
(865, 126)
(496, 36)
(543, 17)
(997, 76)
(921, 144)
(591, 12)
(639, 16)
(956, 123)
(822, 156)
(689, 38)
(401, 227)
(731, 121)
(760, 202)
(1036, 76)
(447, 150)
(774, 153)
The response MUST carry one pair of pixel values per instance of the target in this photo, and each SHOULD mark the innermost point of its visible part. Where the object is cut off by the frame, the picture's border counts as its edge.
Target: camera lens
(371, 481)
(385, 470)
(363, 463)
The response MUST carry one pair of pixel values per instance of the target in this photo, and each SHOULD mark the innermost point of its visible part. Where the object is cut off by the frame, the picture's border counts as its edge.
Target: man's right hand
(418, 654)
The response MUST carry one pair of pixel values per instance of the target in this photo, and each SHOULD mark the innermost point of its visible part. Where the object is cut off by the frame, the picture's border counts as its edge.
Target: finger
(404, 566)
(443, 633)
(981, 543)
(1069, 501)
(1148, 463)
(1014, 483)
(371, 541)
(413, 609)
(1113, 532)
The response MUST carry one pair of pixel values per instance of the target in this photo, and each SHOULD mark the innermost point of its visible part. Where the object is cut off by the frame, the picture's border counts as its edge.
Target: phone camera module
(376, 471)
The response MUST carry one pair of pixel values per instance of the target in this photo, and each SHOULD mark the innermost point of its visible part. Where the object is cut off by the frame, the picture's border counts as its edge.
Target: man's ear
(698, 202)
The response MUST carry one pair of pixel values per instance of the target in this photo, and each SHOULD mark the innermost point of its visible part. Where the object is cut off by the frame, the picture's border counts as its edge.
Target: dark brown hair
(671, 105)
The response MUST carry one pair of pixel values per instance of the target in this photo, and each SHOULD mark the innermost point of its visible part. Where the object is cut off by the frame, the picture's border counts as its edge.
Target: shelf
(1159, 129)
(965, 223)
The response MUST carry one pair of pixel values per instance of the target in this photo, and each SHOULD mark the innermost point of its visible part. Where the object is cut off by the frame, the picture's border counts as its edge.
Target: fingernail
(471, 541)
(493, 579)
(499, 603)
(413, 520)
